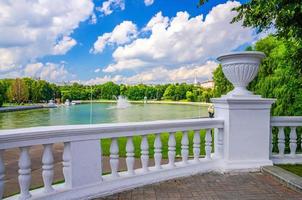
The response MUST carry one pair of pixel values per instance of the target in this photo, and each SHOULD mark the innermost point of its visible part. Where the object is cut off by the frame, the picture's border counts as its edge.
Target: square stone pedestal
(246, 138)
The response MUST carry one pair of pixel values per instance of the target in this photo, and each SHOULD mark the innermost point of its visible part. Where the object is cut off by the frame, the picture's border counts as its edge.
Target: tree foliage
(283, 15)
(40, 91)
(2, 93)
(18, 91)
(279, 77)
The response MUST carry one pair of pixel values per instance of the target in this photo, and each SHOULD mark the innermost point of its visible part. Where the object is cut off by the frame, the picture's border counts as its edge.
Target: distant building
(207, 84)
(195, 81)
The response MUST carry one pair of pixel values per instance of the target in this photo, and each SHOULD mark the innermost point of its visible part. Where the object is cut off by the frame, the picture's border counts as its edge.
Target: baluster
(208, 144)
(220, 142)
(145, 153)
(196, 145)
(281, 141)
(47, 174)
(293, 141)
(171, 149)
(130, 156)
(185, 147)
(24, 173)
(271, 141)
(157, 151)
(67, 164)
(114, 157)
(2, 174)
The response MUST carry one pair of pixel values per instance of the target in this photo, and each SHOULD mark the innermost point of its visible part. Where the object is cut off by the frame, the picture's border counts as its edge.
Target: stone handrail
(82, 156)
(280, 137)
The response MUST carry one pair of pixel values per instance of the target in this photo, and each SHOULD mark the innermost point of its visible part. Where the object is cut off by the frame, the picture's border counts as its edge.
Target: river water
(101, 113)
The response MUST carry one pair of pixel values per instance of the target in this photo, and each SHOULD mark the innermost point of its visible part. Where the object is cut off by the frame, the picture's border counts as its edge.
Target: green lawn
(164, 138)
(296, 169)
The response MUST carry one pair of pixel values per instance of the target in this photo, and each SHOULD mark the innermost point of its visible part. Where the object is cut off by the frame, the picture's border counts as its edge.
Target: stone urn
(240, 68)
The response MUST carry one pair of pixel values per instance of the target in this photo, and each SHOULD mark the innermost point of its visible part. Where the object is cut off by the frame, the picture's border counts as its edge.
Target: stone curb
(287, 178)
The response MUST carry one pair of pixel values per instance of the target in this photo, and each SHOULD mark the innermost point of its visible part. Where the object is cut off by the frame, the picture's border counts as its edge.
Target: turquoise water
(101, 113)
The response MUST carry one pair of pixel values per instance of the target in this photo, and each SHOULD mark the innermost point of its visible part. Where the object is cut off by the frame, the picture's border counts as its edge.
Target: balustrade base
(111, 185)
(245, 166)
(287, 159)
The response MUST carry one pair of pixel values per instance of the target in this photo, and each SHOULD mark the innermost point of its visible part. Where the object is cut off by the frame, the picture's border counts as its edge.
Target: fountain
(122, 102)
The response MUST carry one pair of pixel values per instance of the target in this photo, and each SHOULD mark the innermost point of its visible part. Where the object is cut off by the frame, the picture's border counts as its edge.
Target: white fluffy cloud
(158, 20)
(109, 5)
(183, 40)
(49, 71)
(101, 80)
(162, 75)
(97, 70)
(32, 29)
(64, 45)
(148, 2)
(121, 34)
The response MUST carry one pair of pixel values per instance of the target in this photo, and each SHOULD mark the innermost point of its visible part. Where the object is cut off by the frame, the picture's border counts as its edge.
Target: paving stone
(238, 186)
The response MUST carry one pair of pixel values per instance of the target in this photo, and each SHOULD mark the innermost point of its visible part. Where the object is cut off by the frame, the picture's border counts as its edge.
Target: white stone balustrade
(81, 157)
(283, 157)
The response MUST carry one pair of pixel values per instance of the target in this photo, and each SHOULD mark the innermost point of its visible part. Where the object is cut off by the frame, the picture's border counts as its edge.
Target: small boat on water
(67, 102)
(51, 104)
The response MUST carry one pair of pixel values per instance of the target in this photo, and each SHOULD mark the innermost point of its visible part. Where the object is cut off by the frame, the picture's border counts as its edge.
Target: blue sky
(129, 41)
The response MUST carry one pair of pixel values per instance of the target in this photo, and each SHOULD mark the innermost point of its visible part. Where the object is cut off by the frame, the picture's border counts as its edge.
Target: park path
(211, 186)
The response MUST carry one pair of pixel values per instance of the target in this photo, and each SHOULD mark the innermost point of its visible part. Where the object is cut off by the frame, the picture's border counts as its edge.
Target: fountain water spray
(122, 102)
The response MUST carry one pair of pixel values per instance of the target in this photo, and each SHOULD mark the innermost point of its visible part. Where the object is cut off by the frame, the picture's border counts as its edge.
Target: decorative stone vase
(240, 68)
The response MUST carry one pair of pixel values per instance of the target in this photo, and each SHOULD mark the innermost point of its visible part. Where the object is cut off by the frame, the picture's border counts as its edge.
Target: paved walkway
(211, 186)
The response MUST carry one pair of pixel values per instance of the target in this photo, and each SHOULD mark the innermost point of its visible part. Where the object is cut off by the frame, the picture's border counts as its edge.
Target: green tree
(110, 90)
(277, 77)
(18, 91)
(170, 92)
(190, 96)
(283, 15)
(2, 93)
(41, 91)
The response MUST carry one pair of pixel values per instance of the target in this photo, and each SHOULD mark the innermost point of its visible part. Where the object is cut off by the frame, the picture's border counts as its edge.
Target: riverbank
(41, 106)
(21, 108)
(148, 102)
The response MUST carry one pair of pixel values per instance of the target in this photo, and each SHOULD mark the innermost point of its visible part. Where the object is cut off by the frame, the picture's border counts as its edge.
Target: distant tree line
(27, 90)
